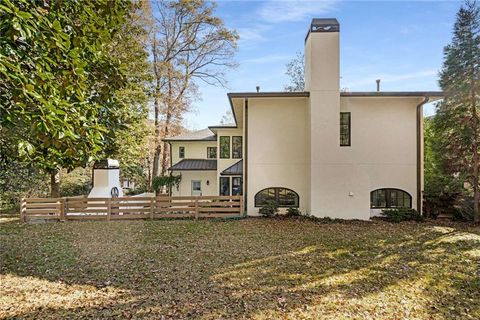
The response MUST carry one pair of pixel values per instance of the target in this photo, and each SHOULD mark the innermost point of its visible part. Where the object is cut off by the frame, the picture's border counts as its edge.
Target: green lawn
(253, 268)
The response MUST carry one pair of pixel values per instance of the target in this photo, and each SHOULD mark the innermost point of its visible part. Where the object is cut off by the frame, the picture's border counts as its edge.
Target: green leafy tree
(129, 46)
(457, 123)
(442, 190)
(58, 102)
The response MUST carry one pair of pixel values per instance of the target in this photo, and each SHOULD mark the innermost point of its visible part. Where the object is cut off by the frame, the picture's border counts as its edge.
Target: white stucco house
(328, 152)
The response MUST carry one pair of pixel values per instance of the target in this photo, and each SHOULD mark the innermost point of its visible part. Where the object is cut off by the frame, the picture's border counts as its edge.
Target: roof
(392, 94)
(282, 94)
(194, 164)
(200, 135)
(279, 94)
(233, 170)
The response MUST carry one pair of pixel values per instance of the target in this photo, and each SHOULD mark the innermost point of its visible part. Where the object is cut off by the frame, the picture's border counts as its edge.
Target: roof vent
(258, 88)
(378, 85)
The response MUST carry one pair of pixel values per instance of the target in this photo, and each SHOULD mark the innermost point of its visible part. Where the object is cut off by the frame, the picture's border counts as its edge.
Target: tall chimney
(322, 63)
(378, 85)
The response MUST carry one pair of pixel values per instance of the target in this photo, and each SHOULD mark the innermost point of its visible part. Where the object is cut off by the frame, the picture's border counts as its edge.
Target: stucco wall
(384, 142)
(193, 149)
(382, 155)
(276, 147)
(185, 188)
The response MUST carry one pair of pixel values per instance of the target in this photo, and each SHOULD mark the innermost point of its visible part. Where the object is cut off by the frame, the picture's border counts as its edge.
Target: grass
(254, 268)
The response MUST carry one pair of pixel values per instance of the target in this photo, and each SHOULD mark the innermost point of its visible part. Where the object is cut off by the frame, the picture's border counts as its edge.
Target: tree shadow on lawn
(250, 268)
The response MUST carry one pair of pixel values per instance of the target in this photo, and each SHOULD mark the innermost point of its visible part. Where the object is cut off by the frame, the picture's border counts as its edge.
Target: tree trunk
(476, 160)
(55, 183)
(156, 155)
(166, 148)
(476, 192)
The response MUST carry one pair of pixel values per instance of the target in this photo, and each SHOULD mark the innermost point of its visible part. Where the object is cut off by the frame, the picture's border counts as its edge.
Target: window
(224, 186)
(181, 152)
(283, 196)
(390, 198)
(225, 147)
(236, 147)
(196, 185)
(212, 152)
(345, 128)
(237, 186)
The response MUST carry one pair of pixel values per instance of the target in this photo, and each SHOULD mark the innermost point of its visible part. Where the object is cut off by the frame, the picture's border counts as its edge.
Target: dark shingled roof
(234, 170)
(200, 135)
(194, 164)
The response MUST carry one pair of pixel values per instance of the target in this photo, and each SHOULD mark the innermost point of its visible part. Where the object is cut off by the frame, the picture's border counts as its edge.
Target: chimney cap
(323, 25)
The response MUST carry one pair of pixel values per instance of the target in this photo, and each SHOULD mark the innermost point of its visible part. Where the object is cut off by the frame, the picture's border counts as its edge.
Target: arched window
(390, 198)
(282, 196)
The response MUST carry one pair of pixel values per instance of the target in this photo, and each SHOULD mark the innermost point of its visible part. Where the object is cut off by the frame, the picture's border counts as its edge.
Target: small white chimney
(106, 179)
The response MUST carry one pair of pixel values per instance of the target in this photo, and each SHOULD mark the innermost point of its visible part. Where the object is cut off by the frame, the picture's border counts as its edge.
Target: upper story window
(225, 147)
(212, 152)
(282, 196)
(237, 147)
(345, 129)
(181, 152)
(390, 198)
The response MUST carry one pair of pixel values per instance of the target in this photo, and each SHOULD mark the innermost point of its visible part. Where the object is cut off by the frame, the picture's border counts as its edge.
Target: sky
(399, 42)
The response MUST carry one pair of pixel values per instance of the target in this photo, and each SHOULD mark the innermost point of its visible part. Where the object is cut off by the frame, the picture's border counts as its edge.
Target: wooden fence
(124, 208)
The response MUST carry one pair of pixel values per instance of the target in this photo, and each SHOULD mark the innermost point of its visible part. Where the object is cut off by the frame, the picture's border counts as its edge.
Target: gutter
(419, 153)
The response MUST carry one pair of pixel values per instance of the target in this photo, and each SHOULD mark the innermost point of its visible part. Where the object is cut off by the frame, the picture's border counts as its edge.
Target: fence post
(196, 208)
(109, 209)
(242, 209)
(23, 217)
(152, 206)
(62, 209)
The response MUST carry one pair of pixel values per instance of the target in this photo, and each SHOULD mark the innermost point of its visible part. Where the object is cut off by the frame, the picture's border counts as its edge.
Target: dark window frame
(181, 152)
(229, 147)
(220, 186)
(241, 185)
(208, 152)
(348, 127)
(241, 147)
(388, 198)
(277, 193)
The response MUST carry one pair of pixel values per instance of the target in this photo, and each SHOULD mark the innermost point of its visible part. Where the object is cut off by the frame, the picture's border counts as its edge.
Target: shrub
(402, 214)
(463, 210)
(293, 212)
(166, 181)
(269, 209)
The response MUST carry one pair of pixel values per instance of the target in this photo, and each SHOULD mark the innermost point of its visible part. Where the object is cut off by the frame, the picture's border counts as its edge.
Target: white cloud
(268, 58)
(291, 11)
(252, 34)
(270, 13)
(388, 78)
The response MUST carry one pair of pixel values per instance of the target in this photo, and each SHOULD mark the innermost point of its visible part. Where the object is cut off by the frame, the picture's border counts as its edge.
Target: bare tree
(296, 73)
(189, 45)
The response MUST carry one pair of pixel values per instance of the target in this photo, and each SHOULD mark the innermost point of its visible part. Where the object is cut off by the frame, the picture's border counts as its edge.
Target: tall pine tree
(457, 123)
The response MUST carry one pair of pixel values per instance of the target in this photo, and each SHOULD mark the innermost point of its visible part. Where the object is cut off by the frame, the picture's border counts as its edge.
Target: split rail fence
(125, 208)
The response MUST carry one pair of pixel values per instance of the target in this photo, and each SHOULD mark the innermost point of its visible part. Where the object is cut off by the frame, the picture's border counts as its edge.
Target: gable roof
(233, 170)
(199, 135)
(194, 164)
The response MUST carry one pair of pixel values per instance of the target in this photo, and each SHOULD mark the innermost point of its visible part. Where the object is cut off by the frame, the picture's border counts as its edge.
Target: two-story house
(328, 152)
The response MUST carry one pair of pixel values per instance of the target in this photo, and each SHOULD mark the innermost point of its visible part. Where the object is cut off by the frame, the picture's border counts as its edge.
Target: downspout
(170, 149)
(419, 153)
(245, 173)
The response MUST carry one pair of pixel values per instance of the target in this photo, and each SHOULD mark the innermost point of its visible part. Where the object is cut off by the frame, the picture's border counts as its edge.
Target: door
(196, 188)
